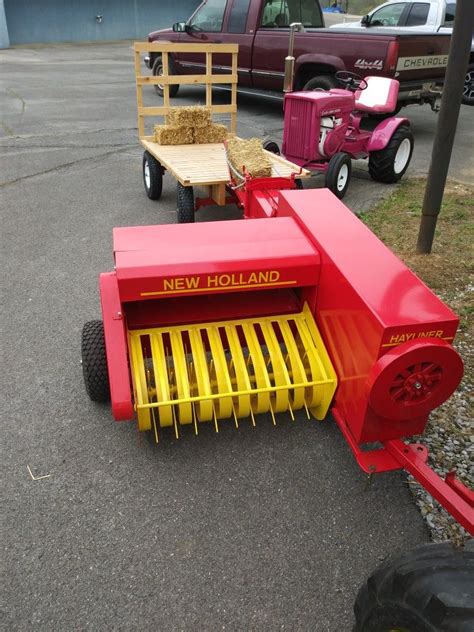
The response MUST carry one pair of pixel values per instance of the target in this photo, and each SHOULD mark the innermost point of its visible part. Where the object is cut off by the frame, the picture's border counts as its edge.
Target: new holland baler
(300, 308)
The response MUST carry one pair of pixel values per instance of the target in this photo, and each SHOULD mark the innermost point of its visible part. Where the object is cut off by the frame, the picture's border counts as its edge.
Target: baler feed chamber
(229, 369)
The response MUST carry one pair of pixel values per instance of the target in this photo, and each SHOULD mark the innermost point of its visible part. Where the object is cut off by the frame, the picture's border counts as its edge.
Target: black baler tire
(185, 204)
(94, 361)
(272, 147)
(157, 64)
(381, 163)
(322, 82)
(427, 589)
(156, 176)
(332, 173)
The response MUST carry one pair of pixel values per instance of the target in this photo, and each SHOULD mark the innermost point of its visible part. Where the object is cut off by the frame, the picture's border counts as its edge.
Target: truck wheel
(428, 589)
(152, 176)
(338, 174)
(388, 165)
(321, 82)
(272, 147)
(185, 204)
(94, 361)
(468, 90)
(158, 70)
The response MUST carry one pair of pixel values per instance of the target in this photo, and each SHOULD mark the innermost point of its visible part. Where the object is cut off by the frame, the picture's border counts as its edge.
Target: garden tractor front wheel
(94, 361)
(428, 589)
(338, 174)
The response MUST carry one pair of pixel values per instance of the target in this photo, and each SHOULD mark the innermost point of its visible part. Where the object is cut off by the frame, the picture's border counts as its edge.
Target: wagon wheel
(184, 204)
(152, 176)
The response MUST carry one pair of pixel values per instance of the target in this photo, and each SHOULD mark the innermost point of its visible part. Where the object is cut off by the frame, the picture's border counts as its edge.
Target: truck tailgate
(422, 56)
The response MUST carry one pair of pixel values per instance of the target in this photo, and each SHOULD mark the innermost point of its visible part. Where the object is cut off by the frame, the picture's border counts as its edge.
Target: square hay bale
(213, 133)
(189, 116)
(251, 155)
(173, 135)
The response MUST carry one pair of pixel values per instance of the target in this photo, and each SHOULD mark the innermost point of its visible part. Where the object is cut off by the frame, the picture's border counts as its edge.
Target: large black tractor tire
(94, 361)
(468, 89)
(338, 174)
(185, 204)
(384, 115)
(388, 165)
(158, 70)
(321, 82)
(152, 176)
(428, 589)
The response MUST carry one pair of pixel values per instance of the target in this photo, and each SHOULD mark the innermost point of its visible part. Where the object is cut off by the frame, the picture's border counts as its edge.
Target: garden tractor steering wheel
(351, 80)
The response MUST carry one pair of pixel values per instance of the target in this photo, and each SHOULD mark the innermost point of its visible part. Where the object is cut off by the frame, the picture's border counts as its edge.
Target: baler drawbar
(300, 308)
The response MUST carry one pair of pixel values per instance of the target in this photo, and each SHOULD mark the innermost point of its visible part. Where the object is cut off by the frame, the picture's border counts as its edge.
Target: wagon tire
(427, 589)
(94, 361)
(389, 164)
(272, 147)
(152, 176)
(321, 82)
(185, 204)
(158, 70)
(338, 174)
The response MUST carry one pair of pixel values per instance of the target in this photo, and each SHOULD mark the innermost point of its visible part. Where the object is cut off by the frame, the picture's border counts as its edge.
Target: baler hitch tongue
(202, 372)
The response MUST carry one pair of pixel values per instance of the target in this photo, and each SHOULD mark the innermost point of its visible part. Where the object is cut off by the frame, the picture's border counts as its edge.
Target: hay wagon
(202, 165)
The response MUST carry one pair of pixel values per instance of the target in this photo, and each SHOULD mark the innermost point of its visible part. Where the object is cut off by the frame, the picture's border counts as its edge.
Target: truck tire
(158, 70)
(152, 176)
(94, 361)
(468, 90)
(185, 204)
(321, 82)
(389, 164)
(338, 174)
(427, 589)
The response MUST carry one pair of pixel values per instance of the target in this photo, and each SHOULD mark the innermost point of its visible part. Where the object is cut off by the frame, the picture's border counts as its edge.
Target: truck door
(272, 37)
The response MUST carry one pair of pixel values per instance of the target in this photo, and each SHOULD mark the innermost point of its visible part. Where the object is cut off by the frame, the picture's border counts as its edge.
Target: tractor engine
(316, 123)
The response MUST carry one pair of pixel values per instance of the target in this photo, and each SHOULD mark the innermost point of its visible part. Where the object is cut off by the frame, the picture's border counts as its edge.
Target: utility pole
(447, 122)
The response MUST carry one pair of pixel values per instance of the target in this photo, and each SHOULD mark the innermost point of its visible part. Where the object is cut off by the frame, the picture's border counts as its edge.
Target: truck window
(450, 13)
(418, 14)
(388, 16)
(238, 16)
(281, 13)
(209, 17)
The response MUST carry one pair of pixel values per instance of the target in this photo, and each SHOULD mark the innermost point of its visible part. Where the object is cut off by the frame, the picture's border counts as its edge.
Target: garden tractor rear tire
(427, 589)
(158, 70)
(152, 176)
(389, 164)
(94, 361)
(185, 204)
(338, 174)
(272, 147)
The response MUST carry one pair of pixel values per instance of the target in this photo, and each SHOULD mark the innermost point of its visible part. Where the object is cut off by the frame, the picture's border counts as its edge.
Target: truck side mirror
(365, 20)
(179, 27)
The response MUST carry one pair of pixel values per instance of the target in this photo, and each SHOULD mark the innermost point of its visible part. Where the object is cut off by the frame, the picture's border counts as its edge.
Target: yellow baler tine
(162, 384)
(280, 373)
(296, 365)
(139, 381)
(224, 384)
(203, 383)
(181, 375)
(241, 375)
(258, 363)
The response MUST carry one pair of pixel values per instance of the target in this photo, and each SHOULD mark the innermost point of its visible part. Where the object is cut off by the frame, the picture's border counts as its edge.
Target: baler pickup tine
(291, 411)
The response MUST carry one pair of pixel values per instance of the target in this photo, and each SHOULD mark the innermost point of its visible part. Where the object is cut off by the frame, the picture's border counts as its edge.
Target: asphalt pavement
(266, 528)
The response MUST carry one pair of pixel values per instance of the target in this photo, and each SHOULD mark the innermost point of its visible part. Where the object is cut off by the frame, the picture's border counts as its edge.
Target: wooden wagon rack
(202, 165)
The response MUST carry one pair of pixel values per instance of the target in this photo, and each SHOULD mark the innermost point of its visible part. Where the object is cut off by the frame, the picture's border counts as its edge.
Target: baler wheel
(428, 589)
(338, 174)
(94, 361)
(185, 204)
(389, 164)
(152, 176)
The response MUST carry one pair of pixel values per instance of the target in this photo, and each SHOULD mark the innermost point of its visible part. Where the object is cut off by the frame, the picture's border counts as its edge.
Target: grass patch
(448, 270)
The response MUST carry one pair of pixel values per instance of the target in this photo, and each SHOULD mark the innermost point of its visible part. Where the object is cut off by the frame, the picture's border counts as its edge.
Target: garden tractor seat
(380, 96)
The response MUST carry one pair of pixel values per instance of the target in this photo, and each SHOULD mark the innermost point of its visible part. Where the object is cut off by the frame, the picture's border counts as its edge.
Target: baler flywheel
(239, 368)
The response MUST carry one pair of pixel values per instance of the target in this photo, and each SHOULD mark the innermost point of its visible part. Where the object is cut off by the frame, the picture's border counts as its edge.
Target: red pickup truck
(261, 28)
